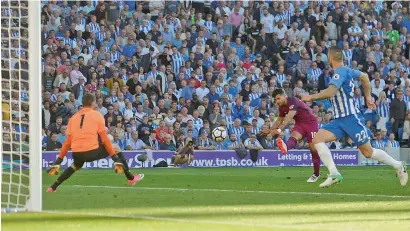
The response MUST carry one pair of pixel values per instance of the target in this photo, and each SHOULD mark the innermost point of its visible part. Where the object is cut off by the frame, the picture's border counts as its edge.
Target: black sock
(66, 174)
(127, 171)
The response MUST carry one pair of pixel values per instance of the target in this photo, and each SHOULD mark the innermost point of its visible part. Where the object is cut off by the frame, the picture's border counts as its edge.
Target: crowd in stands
(165, 72)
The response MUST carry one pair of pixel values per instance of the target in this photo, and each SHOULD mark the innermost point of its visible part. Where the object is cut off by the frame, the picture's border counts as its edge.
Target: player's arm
(287, 119)
(274, 127)
(364, 78)
(367, 88)
(66, 146)
(55, 167)
(278, 122)
(107, 143)
(104, 137)
(325, 94)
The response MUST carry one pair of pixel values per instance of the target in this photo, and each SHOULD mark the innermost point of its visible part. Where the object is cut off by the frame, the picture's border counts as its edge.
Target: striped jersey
(198, 123)
(393, 144)
(406, 98)
(405, 69)
(342, 102)
(280, 78)
(348, 56)
(253, 96)
(255, 130)
(314, 74)
(237, 130)
(94, 27)
(383, 110)
(380, 144)
(177, 62)
(69, 42)
(229, 121)
(356, 29)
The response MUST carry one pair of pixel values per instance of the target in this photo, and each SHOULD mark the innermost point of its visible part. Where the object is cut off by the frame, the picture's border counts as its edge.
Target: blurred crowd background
(165, 72)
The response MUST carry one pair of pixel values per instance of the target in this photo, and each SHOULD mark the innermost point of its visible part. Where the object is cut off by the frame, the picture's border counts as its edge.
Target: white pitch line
(210, 222)
(242, 191)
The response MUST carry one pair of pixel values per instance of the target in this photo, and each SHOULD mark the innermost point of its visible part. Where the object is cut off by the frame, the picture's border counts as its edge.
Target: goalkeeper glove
(53, 169)
(118, 168)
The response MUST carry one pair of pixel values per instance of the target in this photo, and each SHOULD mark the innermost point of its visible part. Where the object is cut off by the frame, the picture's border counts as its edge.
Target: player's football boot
(402, 174)
(118, 168)
(282, 146)
(50, 189)
(331, 179)
(137, 178)
(313, 178)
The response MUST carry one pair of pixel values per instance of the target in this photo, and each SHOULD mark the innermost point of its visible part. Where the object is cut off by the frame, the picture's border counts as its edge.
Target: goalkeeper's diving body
(88, 140)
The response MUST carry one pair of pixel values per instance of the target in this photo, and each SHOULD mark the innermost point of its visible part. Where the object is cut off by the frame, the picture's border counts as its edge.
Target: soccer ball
(219, 134)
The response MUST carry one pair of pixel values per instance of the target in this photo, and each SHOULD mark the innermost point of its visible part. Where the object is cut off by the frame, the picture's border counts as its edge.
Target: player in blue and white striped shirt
(348, 119)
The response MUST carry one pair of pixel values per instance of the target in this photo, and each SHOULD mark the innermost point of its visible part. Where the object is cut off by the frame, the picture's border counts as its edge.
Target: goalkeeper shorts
(89, 156)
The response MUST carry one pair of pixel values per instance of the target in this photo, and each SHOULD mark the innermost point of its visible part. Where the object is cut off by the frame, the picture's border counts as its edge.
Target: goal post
(35, 165)
(21, 130)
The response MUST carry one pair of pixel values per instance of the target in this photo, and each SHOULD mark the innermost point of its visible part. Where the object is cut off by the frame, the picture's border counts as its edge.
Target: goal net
(21, 106)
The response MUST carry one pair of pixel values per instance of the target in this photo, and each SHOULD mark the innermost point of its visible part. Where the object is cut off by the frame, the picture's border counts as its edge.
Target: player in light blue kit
(348, 121)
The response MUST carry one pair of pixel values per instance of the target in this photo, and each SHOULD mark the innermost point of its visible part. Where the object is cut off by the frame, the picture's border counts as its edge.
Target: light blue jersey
(348, 119)
(343, 103)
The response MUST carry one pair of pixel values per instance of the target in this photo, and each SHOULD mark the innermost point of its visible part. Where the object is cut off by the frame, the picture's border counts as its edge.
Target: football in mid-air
(219, 134)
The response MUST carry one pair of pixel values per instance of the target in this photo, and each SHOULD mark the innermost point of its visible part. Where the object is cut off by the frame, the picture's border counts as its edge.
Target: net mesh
(15, 106)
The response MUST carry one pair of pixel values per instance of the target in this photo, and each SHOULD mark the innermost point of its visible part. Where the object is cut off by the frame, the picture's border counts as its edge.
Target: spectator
(139, 66)
(61, 137)
(379, 142)
(52, 143)
(136, 144)
(292, 59)
(204, 143)
(397, 112)
(152, 140)
(252, 143)
(383, 108)
(392, 143)
(55, 127)
(215, 118)
(268, 142)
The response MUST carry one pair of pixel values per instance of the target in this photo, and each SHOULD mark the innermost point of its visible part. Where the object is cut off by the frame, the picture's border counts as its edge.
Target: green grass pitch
(279, 199)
